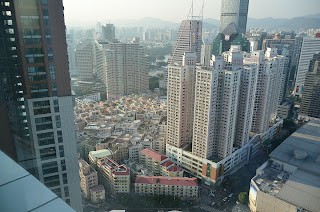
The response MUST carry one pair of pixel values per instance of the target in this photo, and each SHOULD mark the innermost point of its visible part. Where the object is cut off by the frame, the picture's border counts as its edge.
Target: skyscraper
(189, 39)
(271, 67)
(85, 60)
(180, 94)
(126, 69)
(224, 99)
(233, 23)
(217, 101)
(206, 54)
(311, 95)
(108, 32)
(36, 105)
(310, 46)
(234, 11)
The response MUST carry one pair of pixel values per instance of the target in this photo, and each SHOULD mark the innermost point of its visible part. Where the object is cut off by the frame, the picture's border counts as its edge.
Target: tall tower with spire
(234, 11)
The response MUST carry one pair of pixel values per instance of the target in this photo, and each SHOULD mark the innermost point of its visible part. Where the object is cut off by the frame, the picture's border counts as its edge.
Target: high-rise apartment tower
(108, 32)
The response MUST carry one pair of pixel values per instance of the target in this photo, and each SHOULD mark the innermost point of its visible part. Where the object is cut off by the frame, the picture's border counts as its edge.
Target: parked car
(225, 199)
(213, 203)
(230, 195)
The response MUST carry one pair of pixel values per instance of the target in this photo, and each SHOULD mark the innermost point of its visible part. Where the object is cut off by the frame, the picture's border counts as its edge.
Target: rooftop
(167, 163)
(175, 169)
(99, 154)
(176, 181)
(304, 142)
(114, 166)
(97, 188)
(153, 154)
(300, 186)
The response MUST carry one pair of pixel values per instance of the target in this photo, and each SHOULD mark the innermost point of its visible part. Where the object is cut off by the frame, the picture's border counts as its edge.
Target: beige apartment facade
(114, 177)
(186, 188)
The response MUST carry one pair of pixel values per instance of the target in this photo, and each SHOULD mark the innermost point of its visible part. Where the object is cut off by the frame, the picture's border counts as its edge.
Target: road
(239, 182)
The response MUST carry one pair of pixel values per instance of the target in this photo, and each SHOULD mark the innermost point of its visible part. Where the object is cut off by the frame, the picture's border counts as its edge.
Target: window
(65, 178)
(48, 36)
(43, 123)
(56, 105)
(48, 153)
(39, 90)
(31, 36)
(52, 181)
(34, 55)
(66, 191)
(30, 20)
(45, 12)
(46, 17)
(54, 89)
(61, 151)
(50, 55)
(59, 133)
(41, 107)
(63, 165)
(52, 73)
(49, 168)
(45, 138)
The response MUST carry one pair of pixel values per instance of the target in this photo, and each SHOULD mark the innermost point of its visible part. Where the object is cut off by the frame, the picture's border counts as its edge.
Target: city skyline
(103, 12)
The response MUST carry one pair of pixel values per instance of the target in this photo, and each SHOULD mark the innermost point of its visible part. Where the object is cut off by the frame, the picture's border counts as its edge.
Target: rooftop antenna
(201, 11)
(191, 16)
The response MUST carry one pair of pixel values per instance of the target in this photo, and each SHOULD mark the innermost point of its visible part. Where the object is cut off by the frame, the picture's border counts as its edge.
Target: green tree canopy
(243, 197)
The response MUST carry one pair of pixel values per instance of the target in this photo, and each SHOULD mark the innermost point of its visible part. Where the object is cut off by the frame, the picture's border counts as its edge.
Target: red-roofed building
(154, 155)
(168, 186)
(158, 163)
(115, 177)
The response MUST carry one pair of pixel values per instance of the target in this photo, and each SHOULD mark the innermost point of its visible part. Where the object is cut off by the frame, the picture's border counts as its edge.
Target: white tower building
(85, 60)
(180, 94)
(271, 68)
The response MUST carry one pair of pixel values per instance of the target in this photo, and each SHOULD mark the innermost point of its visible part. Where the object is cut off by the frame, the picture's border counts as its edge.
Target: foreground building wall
(46, 145)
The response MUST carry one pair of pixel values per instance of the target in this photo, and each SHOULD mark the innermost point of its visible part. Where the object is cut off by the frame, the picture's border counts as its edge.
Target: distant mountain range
(297, 23)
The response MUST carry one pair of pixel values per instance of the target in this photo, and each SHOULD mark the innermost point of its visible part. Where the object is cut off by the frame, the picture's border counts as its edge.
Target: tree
(243, 197)
(153, 83)
(103, 96)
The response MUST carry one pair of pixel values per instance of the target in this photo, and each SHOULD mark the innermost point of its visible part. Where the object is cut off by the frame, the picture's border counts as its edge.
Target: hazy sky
(80, 12)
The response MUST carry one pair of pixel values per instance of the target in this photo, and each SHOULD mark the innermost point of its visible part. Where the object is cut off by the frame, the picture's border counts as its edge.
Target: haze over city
(82, 13)
(160, 106)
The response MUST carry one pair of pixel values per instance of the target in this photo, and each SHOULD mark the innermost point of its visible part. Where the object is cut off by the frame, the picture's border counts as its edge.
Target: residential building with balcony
(159, 164)
(114, 177)
(186, 188)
